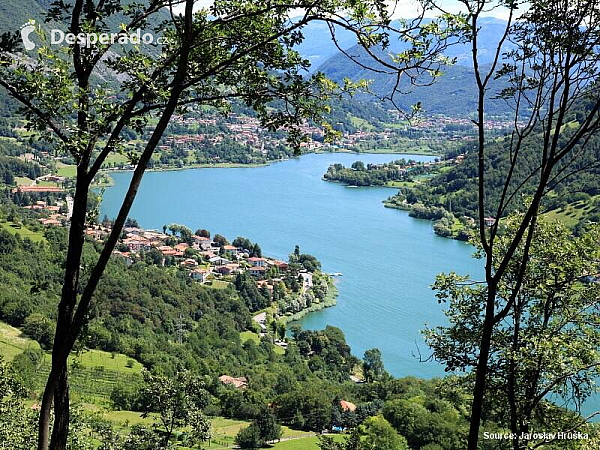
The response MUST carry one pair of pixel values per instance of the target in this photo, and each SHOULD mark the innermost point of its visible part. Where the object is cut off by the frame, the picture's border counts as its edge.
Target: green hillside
(572, 199)
(15, 14)
(453, 94)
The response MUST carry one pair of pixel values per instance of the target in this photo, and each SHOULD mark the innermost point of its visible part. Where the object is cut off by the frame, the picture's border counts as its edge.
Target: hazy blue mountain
(453, 93)
(318, 46)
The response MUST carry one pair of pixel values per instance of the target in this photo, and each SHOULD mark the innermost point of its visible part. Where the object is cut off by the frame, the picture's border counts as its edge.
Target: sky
(410, 8)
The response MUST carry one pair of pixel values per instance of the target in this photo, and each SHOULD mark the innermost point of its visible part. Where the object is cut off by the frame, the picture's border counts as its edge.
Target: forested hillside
(453, 94)
(173, 325)
(573, 197)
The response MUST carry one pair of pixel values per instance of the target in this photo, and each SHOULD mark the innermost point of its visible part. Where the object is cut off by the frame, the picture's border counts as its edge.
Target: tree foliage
(547, 344)
(179, 402)
(551, 69)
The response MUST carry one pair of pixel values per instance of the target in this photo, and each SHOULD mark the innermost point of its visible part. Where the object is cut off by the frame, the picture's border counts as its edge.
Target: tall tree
(179, 401)
(551, 70)
(89, 95)
(547, 345)
(373, 368)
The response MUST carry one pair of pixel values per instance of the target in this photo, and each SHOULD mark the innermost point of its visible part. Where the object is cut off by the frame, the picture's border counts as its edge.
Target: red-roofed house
(227, 269)
(257, 262)
(190, 263)
(347, 406)
(239, 382)
(200, 275)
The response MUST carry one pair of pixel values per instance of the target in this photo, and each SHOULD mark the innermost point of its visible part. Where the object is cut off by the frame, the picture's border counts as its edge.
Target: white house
(200, 275)
(257, 262)
(307, 279)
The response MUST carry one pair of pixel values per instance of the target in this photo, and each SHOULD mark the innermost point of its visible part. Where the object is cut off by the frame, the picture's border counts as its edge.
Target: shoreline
(197, 166)
(383, 152)
(353, 186)
(227, 165)
(329, 301)
(110, 182)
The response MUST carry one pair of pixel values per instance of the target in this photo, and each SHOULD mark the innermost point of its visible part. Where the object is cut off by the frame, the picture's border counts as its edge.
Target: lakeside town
(241, 140)
(247, 131)
(276, 290)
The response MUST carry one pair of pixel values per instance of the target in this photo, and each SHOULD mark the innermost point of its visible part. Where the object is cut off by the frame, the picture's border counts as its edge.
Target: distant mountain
(318, 46)
(453, 94)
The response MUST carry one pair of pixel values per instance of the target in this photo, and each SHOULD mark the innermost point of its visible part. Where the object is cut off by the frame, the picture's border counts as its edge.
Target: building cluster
(204, 259)
(242, 129)
(52, 214)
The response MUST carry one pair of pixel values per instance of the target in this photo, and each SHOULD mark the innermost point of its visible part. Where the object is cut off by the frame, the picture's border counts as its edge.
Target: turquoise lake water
(388, 259)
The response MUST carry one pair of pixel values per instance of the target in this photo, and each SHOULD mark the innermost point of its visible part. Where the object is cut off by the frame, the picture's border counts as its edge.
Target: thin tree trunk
(512, 379)
(44, 420)
(481, 370)
(60, 430)
(70, 321)
(59, 373)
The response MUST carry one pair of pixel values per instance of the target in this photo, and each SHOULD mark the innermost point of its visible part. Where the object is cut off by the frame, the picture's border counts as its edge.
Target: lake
(388, 259)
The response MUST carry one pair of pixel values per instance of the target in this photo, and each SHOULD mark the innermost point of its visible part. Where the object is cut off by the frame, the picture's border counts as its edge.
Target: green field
(13, 342)
(218, 284)
(97, 372)
(66, 170)
(116, 159)
(23, 231)
(249, 335)
(574, 212)
(224, 431)
(116, 362)
(23, 181)
(309, 443)
(94, 373)
(399, 184)
(360, 123)
(278, 350)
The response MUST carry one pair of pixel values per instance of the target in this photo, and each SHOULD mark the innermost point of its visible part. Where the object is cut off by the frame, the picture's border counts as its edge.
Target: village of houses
(217, 261)
(204, 259)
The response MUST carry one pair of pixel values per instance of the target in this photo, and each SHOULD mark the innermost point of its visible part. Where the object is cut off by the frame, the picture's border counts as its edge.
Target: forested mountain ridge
(452, 94)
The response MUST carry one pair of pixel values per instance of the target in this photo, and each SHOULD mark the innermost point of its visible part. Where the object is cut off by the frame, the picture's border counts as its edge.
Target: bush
(126, 398)
(249, 437)
(26, 365)
(40, 328)
(442, 230)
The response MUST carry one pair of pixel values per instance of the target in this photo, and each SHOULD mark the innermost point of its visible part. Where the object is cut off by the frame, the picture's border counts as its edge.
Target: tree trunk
(60, 430)
(481, 371)
(44, 420)
(57, 384)
(70, 321)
